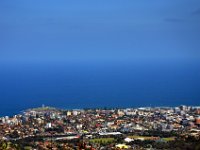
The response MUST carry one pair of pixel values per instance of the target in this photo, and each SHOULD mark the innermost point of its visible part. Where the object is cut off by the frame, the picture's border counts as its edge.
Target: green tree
(3, 145)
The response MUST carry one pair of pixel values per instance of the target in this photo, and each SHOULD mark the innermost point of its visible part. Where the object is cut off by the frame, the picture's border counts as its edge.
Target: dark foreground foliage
(189, 143)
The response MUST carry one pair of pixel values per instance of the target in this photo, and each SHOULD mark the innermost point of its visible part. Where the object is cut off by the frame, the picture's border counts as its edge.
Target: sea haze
(86, 85)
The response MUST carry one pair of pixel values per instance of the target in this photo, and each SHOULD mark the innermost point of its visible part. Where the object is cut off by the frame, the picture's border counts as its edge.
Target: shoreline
(93, 108)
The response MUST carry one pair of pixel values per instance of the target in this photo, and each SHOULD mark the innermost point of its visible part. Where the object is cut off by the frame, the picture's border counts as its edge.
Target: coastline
(93, 108)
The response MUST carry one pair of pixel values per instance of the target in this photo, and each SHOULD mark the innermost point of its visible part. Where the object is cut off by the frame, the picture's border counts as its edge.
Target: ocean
(90, 85)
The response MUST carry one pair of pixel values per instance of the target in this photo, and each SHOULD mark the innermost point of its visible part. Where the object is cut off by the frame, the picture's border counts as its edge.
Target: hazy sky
(47, 30)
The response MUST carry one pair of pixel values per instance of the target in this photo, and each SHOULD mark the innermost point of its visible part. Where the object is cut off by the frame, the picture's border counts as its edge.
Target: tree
(3, 145)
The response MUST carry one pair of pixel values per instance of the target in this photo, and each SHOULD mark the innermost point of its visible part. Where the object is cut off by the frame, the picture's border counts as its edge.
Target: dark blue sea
(88, 85)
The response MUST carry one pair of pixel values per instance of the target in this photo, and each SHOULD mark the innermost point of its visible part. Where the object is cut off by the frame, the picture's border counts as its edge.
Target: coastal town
(102, 128)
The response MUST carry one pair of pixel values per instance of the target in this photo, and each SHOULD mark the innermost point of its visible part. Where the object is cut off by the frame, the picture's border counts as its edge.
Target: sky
(114, 30)
(88, 53)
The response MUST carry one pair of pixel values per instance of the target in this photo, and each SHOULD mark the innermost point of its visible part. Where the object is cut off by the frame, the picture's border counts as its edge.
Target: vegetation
(102, 140)
(189, 143)
(168, 139)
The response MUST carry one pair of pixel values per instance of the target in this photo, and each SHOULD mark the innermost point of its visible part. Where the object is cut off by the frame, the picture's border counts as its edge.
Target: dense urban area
(102, 129)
